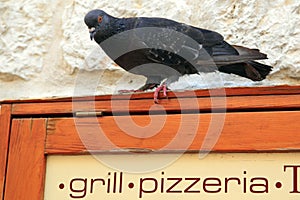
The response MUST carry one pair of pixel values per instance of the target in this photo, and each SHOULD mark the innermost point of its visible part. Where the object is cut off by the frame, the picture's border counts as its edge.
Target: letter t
(295, 176)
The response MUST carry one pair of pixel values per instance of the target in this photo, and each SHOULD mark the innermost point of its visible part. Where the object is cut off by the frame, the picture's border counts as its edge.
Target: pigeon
(162, 49)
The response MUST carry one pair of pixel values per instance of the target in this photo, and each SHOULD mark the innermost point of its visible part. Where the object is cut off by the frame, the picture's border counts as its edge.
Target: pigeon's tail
(251, 69)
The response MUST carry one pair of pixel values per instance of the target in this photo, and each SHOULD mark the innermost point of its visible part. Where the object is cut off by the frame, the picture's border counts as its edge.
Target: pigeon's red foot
(148, 86)
(162, 87)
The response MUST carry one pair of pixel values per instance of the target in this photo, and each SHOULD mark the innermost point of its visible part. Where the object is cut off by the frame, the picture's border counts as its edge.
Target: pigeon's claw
(165, 90)
(162, 87)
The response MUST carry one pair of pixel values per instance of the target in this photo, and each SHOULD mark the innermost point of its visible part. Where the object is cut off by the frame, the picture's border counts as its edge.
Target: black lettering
(178, 180)
(83, 189)
(188, 189)
(245, 182)
(265, 185)
(115, 182)
(142, 190)
(162, 182)
(295, 177)
(121, 182)
(227, 180)
(206, 185)
(108, 183)
(95, 180)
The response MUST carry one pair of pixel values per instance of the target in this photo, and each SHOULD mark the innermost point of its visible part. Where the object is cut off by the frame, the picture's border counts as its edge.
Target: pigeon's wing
(220, 51)
(188, 42)
(168, 49)
(212, 43)
(171, 48)
(167, 41)
(244, 55)
(202, 36)
(185, 48)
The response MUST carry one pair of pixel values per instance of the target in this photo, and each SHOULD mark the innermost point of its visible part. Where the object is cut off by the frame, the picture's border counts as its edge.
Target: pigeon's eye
(100, 19)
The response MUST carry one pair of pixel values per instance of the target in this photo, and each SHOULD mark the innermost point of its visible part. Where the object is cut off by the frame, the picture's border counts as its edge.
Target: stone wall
(46, 50)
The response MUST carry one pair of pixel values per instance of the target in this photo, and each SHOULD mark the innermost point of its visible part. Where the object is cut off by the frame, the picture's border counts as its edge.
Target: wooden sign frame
(261, 119)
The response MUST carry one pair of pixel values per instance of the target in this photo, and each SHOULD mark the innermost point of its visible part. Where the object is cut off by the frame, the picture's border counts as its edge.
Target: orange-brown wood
(241, 132)
(26, 160)
(141, 102)
(236, 91)
(258, 119)
(231, 103)
(5, 116)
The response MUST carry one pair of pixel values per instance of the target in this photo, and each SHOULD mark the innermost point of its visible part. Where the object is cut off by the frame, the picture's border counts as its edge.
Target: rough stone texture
(46, 50)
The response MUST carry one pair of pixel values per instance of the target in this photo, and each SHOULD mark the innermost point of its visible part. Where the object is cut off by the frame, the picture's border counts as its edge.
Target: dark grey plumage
(138, 44)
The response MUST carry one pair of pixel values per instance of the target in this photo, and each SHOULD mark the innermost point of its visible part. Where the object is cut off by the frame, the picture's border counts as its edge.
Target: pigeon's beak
(92, 32)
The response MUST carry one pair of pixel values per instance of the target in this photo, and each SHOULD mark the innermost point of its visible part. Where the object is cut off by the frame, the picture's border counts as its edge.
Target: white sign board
(217, 176)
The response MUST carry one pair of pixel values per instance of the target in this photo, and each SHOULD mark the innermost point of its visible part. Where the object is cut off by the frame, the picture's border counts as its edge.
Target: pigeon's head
(96, 20)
